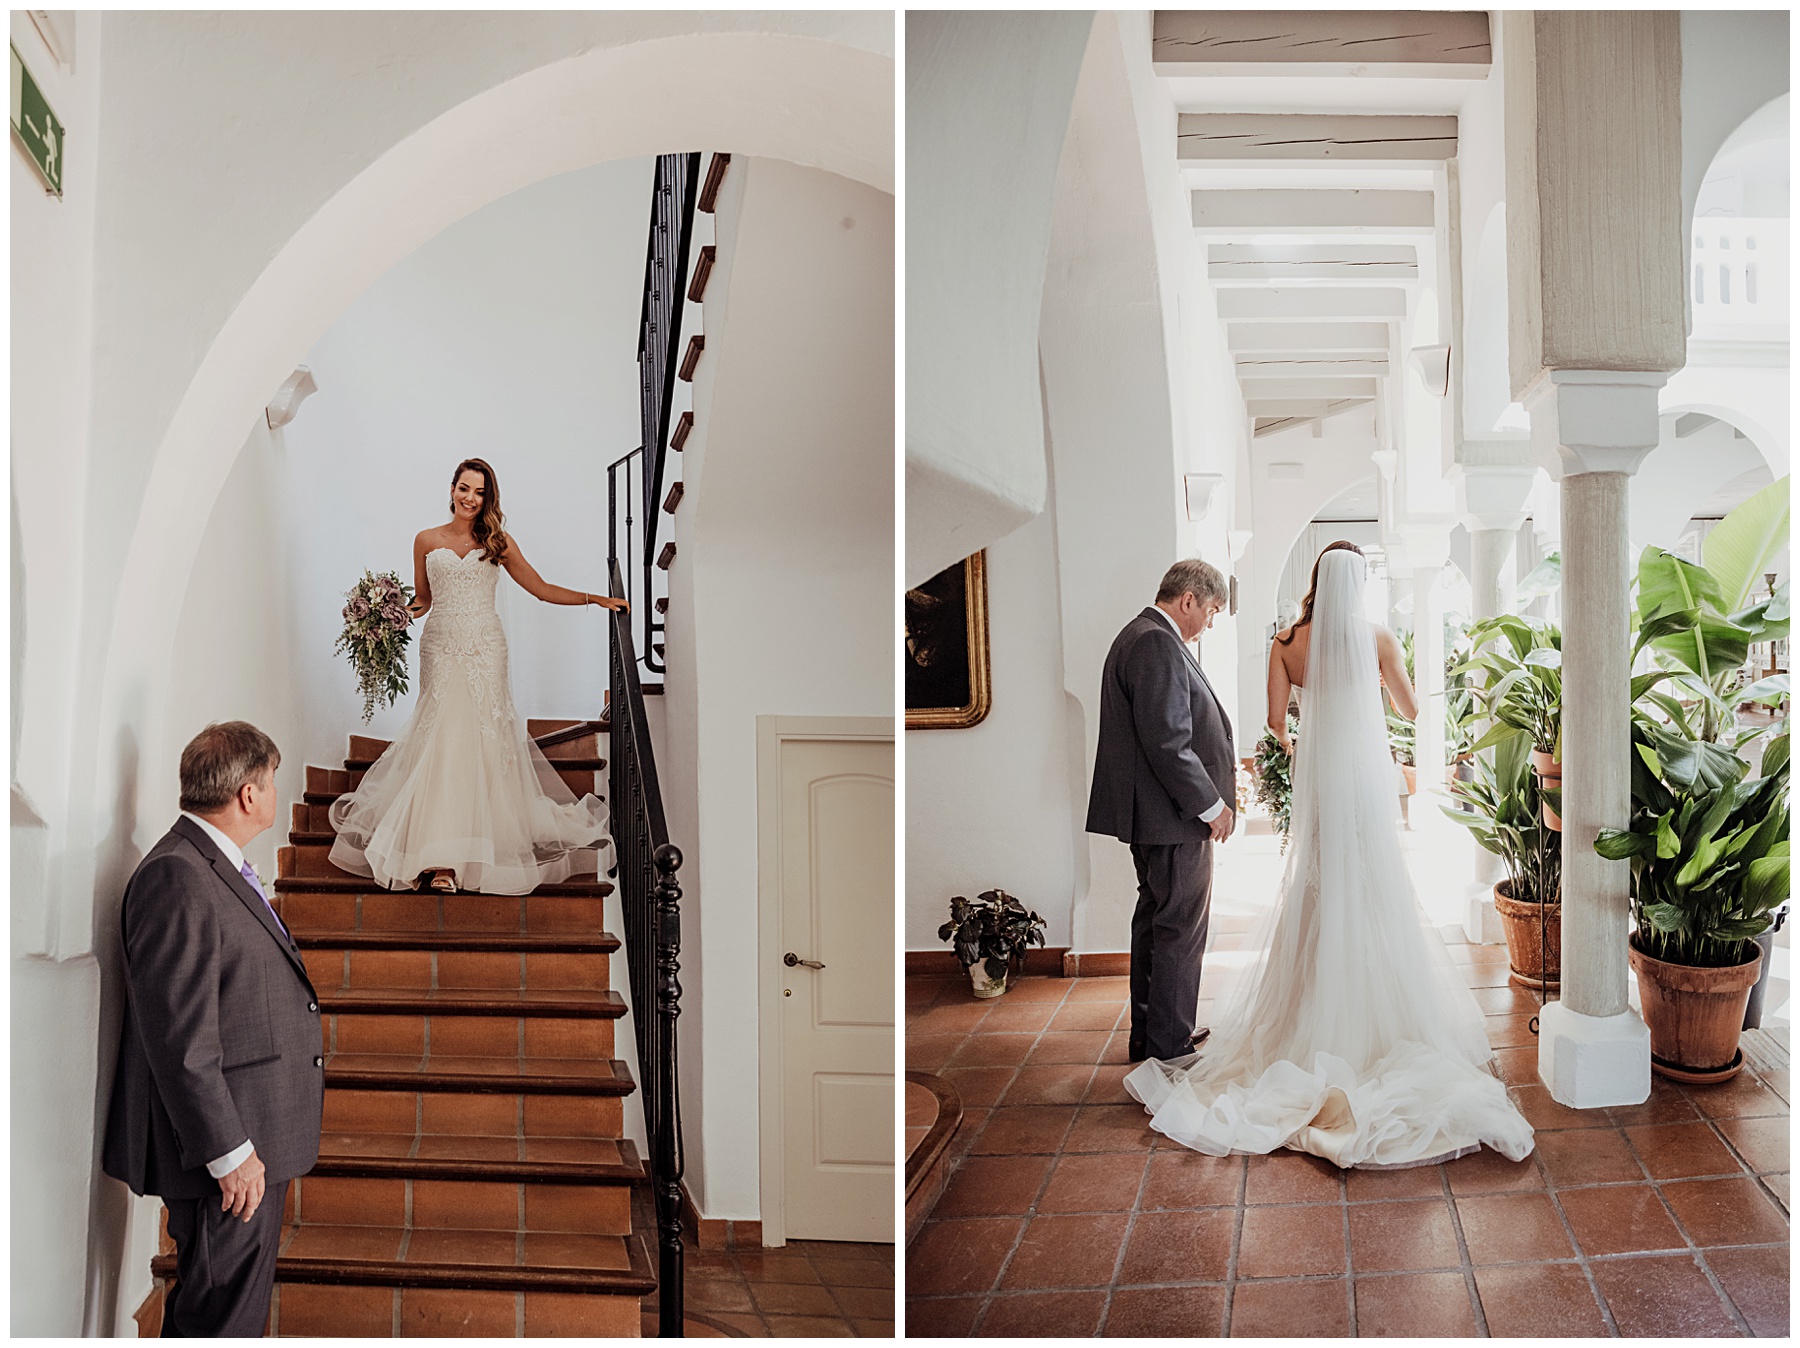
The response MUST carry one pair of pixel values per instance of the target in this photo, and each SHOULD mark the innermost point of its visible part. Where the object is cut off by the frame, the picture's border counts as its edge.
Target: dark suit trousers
(1168, 937)
(224, 1267)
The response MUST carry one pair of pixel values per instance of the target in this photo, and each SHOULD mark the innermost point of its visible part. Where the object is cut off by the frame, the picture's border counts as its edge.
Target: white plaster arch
(809, 101)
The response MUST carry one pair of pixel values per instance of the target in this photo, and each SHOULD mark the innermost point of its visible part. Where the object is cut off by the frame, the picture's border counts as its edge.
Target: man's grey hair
(1195, 577)
(220, 760)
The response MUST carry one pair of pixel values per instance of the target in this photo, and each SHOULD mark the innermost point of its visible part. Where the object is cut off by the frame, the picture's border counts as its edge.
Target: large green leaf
(1616, 844)
(1775, 755)
(1743, 544)
(1712, 646)
(1671, 584)
(1766, 887)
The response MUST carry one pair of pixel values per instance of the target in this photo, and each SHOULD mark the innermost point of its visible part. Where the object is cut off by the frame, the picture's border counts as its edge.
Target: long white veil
(1350, 1032)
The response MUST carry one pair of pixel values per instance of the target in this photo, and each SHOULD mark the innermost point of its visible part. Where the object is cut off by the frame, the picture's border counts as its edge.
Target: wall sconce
(1433, 365)
(1237, 540)
(1200, 488)
(294, 390)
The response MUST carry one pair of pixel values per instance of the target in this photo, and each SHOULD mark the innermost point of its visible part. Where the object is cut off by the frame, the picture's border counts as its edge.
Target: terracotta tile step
(481, 1203)
(575, 910)
(573, 1004)
(462, 943)
(398, 1256)
(324, 785)
(309, 868)
(409, 1036)
(477, 1074)
(480, 1156)
(522, 1114)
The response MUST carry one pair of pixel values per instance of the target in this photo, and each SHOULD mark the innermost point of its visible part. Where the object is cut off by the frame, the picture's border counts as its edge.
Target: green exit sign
(39, 130)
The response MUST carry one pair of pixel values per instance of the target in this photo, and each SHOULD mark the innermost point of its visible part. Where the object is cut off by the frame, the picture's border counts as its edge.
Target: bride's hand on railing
(607, 601)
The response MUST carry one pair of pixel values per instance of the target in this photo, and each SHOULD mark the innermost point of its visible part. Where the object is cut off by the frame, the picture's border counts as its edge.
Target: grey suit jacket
(222, 1037)
(1165, 752)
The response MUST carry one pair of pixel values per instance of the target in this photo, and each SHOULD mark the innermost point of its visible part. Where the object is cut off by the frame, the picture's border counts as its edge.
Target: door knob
(791, 959)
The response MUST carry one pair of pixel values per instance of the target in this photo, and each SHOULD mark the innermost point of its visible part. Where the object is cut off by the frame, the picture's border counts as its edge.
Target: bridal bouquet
(375, 637)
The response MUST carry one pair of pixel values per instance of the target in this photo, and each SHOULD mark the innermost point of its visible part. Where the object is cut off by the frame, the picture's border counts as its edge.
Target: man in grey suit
(1165, 774)
(219, 1091)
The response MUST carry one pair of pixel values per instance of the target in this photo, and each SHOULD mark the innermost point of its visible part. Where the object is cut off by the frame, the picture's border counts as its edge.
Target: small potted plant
(990, 935)
(1518, 687)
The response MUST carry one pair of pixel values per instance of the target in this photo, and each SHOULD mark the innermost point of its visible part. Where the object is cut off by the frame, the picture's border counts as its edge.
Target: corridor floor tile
(1065, 1215)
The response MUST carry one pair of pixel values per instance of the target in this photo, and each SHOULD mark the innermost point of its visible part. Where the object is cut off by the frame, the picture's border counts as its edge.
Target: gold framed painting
(947, 680)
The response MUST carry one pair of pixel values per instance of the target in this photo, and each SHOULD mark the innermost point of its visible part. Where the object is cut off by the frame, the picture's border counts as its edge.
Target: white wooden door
(836, 909)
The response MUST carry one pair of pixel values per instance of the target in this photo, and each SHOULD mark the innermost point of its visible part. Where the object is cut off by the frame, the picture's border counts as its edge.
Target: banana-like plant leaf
(1766, 887)
(1775, 755)
(1643, 683)
(1547, 656)
(1741, 546)
(1667, 843)
(1770, 690)
(1671, 584)
(1617, 844)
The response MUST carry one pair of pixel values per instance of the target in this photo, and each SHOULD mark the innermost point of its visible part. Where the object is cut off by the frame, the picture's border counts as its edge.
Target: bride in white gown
(464, 797)
(1350, 1035)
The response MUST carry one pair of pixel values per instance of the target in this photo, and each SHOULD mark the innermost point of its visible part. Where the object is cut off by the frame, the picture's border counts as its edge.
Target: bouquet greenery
(375, 636)
(1274, 774)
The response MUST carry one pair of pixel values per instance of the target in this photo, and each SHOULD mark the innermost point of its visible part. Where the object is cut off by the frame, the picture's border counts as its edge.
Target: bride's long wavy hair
(489, 527)
(1312, 588)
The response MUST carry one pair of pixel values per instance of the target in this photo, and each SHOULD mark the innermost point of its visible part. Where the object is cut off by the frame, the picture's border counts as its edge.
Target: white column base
(1591, 1061)
(1481, 921)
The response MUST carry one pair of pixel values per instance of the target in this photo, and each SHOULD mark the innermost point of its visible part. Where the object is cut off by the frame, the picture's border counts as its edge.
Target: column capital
(1593, 421)
(1494, 495)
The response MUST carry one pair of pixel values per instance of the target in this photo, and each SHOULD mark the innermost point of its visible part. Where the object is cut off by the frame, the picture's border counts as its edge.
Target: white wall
(512, 337)
(996, 806)
(781, 598)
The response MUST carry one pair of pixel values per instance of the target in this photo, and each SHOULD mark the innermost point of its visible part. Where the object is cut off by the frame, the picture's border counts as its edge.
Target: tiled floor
(1068, 1216)
(805, 1289)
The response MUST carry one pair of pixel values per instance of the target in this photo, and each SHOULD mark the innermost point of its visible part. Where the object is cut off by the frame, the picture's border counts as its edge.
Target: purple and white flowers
(375, 636)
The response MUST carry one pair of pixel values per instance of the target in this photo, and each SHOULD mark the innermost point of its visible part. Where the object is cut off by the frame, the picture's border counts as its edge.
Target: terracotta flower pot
(1411, 774)
(1695, 1015)
(1534, 951)
(983, 985)
(1549, 773)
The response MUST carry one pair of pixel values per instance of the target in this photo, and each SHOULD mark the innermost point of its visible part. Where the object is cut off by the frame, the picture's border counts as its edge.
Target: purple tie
(250, 875)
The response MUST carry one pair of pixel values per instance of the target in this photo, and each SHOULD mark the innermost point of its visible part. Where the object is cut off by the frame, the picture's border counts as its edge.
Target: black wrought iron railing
(650, 896)
(645, 469)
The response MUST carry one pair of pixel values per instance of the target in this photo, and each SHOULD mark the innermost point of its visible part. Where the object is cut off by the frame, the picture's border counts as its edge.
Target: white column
(1596, 426)
(1490, 500)
(1427, 550)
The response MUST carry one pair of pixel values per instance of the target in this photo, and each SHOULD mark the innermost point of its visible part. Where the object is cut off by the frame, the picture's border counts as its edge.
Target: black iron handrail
(650, 898)
(659, 356)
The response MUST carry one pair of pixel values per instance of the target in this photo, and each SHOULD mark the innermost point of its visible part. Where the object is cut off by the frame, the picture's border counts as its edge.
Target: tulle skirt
(465, 789)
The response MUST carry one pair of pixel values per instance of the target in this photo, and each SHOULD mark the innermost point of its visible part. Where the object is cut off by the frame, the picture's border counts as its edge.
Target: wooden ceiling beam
(1311, 211)
(1312, 303)
(1440, 44)
(1352, 139)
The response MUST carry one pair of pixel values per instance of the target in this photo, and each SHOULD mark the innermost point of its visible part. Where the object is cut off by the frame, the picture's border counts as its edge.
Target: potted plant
(991, 934)
(1516, 684)
(1709, 867)
(1273, 776)
(1501, 804)
(1403, 734)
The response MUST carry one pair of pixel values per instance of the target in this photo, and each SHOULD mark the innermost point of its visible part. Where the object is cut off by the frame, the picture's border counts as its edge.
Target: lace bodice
(461, 587)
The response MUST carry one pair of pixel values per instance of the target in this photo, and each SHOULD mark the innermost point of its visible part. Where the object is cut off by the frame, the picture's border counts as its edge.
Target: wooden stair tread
(553, 943)
(459, 1156)
(345, 883)
(572, 1003)
(401, 1256)
(588, 763)
(506, 1076)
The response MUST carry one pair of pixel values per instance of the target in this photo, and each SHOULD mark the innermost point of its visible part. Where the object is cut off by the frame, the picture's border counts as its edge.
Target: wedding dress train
(464, 787)
(1350, 1035)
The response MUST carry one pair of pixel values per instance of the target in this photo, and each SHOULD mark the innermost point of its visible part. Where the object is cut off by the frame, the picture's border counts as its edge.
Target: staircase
(473, 1177)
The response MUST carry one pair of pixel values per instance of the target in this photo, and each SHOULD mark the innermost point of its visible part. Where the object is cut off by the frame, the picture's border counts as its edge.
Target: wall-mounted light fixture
(294, 390)
(1199, 490)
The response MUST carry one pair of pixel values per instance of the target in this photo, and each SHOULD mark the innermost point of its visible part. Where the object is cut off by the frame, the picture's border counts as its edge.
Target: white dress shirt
(234, 1158)
(1212, 812)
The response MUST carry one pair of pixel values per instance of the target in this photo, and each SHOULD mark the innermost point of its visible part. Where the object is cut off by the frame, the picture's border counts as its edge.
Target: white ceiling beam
(1443, 44)
(1351, 303)
(1266, 390)
(1319, 337)
(1306, 408)
(1309, 364)
(1320, 211)
(1240, 263)
(1321, 138)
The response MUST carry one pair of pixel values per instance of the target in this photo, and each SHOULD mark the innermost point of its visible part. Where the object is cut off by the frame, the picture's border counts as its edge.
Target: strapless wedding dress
(464, 787)
(1350, 1035)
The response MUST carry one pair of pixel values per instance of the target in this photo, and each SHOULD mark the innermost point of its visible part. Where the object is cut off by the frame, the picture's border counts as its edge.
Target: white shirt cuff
(230, 1161)
(1207, 816)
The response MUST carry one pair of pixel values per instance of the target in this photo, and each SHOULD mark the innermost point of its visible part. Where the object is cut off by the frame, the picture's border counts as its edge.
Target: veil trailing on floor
(1350, 1034)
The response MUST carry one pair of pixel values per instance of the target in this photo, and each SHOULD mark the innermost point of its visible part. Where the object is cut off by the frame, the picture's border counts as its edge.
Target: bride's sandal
(444, 882)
